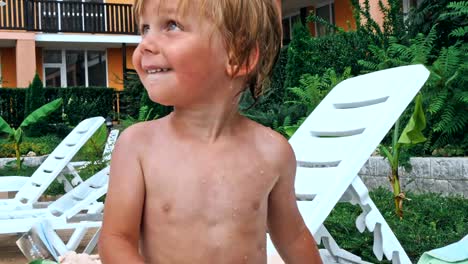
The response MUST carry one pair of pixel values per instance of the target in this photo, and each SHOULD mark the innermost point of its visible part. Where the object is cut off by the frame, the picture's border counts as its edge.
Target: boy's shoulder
(141, 132)
(273, 146)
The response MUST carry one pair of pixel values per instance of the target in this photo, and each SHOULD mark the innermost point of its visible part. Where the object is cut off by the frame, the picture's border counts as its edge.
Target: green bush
(35, 99)
(315, 55)
(79, 104)
(40, 145)
(12, 105)
(430, 221)
(135, 102)
(299, 55)
(34, 96)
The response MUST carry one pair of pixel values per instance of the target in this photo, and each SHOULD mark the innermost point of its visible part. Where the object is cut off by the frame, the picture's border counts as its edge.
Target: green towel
(453, 253)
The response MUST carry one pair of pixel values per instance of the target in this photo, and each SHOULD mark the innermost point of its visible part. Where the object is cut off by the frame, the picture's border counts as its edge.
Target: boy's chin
(160, 100)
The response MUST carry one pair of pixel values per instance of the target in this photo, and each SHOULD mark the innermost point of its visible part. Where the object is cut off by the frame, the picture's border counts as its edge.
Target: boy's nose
(149, 44)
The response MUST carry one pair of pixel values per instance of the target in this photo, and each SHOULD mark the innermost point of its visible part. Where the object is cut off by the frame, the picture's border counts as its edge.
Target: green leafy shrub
(274, 94)
(431, 221)
(35, 99)
(444, 94)
(315, 55)
(12, 105)
(34, 96)
(299, 58)
(39, 145)
(93, 148)
(135, 97)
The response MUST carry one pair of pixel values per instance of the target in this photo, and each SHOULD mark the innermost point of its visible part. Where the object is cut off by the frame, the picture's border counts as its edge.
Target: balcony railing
(56, 16)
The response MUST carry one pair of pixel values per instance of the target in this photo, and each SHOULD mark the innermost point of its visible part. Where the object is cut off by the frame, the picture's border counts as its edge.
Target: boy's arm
(287, 229)
(120, 234)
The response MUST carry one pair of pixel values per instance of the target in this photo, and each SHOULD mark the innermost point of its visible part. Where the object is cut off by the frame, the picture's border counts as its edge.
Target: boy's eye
(173, 26)
(144, 29)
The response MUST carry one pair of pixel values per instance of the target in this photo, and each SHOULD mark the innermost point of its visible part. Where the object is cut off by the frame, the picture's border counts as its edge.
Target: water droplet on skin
(261, 172)
(245, 257)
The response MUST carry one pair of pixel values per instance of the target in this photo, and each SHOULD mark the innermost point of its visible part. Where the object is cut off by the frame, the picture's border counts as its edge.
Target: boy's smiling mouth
(157, 70)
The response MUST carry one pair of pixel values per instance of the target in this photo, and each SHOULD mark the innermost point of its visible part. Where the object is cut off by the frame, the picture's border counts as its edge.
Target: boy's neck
(205, 123)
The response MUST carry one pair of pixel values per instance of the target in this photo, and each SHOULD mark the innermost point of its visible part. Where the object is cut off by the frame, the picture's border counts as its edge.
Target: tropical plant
(298, 60)
(278, 117)
(16, 135)
(445, 95)
(136, 104)
(446, 91)
(34, 95)
(35, 98)
(411, 134)
(431, 12)
(458, 16)
(312, 89)
(393, 20)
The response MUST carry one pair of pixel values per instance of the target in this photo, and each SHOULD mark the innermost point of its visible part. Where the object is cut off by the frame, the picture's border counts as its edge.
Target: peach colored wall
(115, 69)
(344, 14)
(375, 11)
(8, 67)
(25, 62)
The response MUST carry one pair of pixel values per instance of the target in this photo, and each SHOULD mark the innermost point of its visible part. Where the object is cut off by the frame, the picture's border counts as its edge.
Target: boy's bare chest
(208, 184)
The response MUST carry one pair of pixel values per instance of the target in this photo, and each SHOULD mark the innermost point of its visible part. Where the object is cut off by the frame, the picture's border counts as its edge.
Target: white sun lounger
(31, 188)
(73, 167)
(334, 143)
(77, 210)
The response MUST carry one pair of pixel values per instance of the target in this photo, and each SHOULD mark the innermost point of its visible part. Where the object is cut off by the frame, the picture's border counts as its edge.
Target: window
(288, 24)
(409, 4)
(327, 13)
(66, 68)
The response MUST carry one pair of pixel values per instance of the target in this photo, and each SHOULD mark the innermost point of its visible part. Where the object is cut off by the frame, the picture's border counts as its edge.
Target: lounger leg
(92, 243)
(385, 242)
(332, 252)
(76, 238)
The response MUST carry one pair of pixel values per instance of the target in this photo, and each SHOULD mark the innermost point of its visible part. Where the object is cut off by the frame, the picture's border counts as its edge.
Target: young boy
(204, 184)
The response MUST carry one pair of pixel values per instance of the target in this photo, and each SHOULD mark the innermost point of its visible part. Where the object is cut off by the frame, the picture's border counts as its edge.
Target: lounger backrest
(110, 143)
(82, 195)
(57, 160)
(347, 126)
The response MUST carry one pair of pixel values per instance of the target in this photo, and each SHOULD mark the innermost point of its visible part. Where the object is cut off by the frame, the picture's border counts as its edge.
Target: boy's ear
(235, 70)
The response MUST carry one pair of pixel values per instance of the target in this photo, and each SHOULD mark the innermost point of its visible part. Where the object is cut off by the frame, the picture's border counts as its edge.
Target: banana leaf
(412, 134)
(4, 127)
(41, 112)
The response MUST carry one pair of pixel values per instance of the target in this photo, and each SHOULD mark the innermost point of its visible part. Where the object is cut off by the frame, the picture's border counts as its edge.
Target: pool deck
(9, 252)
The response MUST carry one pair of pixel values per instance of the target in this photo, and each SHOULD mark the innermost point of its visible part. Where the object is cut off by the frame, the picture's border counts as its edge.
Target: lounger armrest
(12, 183)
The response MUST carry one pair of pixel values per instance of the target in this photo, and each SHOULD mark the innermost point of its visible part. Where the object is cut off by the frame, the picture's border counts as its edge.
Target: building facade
(337, 12)
(90, 42)
(67, 42)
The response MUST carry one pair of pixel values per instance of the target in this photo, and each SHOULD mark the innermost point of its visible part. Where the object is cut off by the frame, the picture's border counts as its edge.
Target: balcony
(50, 16)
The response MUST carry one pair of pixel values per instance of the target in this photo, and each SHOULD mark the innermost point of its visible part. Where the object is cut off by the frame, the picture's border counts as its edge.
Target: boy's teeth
(157, 70)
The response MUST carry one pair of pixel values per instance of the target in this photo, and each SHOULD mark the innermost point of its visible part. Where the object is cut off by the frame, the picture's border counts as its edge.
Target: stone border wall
(27, 161)
(439, 175)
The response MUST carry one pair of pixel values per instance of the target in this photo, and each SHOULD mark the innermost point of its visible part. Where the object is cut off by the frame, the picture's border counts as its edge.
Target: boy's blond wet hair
(244, 25)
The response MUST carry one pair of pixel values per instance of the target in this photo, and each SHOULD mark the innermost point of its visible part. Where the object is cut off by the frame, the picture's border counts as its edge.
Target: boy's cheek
(136, 59)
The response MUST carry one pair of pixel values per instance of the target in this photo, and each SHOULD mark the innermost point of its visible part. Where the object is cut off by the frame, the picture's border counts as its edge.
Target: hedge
(79, 103)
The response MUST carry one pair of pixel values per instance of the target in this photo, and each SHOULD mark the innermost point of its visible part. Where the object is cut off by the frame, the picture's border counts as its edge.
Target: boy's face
(181, 58)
